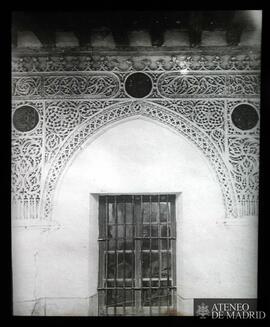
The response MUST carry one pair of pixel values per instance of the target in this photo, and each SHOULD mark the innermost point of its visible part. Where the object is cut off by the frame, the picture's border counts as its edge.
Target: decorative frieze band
(175, 85)
(185, 62)
(102, 85)
(108, 85)
(94, 85)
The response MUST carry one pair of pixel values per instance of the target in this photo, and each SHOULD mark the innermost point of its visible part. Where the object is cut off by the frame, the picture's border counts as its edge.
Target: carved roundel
(245, 117)
(25, 118)
(138, 85)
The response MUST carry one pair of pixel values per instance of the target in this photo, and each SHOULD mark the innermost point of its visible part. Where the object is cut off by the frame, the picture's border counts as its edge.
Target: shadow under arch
(121, 111)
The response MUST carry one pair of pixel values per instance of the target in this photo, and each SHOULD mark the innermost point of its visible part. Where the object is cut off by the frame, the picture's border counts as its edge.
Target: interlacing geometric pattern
(244, 153)
(132, 108)
(26, 86)
(26, 176)
(77, 95)
(173, 85)
(27, 164)
(63, 116)
(191, 62)
(243, 156)
(111, 85)
(98, 86)
(205, 114)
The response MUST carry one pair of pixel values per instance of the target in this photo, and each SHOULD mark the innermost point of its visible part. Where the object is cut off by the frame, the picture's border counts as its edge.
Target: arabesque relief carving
(76, 95)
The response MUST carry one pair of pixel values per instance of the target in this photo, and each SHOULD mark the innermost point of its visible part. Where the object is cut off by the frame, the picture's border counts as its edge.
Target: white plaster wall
(137, 156)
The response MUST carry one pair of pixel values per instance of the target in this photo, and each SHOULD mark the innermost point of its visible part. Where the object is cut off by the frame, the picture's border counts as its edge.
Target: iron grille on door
(137, 269)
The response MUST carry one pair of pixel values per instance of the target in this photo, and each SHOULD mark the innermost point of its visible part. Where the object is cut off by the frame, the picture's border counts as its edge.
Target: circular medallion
(138, 85)
(245, 117)
(25, 118)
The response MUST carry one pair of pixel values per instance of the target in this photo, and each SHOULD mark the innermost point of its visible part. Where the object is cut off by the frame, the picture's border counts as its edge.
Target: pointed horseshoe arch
(124, 110)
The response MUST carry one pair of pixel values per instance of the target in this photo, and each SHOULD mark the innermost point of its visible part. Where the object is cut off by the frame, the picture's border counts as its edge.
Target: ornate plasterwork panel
(247, 84)
(26, 166)
(26, 172)
(38, 129)
(245, 61)
(92, 85)
(63, 116)
(102, 85)
(111, 85)
(26, 86)
(76, 95)
(27, 163)
(243, 156)
(204, 114)
(131, 108)
(243, 148)
(232, 129)
(174, 85)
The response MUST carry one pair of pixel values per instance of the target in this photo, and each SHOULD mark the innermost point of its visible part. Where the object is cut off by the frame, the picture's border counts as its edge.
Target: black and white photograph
(135, 163)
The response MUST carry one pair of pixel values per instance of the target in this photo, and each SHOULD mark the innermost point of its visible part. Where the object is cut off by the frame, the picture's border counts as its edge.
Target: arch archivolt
(119, 111)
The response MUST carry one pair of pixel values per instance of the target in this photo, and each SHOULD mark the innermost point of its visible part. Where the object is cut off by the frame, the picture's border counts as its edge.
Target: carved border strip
(101, 85)
(133, 62)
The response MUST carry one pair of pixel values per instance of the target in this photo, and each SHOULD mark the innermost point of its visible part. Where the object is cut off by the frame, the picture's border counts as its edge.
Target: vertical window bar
(106, 249)
(173, 255)
(138, 272)
(101, 295)
(133, 253)
(167, 253)
(116, 256)
(140, 225)
(150, 255)
(159, 256)
(124, 256)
